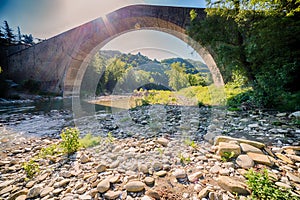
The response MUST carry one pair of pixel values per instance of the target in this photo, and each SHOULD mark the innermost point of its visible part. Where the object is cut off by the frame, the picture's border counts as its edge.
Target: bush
(264, 189)
(31, 168)
(70, 140)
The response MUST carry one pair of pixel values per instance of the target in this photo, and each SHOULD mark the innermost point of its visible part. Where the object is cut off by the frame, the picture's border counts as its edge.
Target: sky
(47, 18)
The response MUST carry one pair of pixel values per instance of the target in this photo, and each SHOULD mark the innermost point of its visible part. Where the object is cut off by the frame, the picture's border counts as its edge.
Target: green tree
(8, 33)
(257, 38)
(177, 76)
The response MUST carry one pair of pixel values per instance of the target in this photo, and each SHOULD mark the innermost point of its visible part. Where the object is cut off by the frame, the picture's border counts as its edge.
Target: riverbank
(158, 152)
(147, 169)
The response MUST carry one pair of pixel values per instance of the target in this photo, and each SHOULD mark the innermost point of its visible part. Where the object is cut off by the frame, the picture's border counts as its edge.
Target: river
(47, 117)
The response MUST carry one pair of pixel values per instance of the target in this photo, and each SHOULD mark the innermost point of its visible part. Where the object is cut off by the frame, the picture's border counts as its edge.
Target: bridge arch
(59, 63)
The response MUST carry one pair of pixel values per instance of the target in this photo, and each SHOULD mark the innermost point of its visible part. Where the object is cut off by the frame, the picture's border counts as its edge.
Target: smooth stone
(146, 198)
(101, 168)
(18, 193)
(111, 195)
(215, 169)
(283, 185)
(6, 183)
(244, 161)
(249, 148)
(7, 189)
(84, 159)
(135, 186)
(157, 166)
(115, 178)
(45, 191)
(21, 197)
(144, 169)
(153, 194)
(85, 197)
(195, 176)
(260, 158)
(224, 172)
(63, 182)
(163, 141)
(204, 192)
(293, 177)
(219, 139)
(149, 181)
(225, 147)
(179, 173)
(161, 173)
(34, 191)
(30, 184)
(57, 191)
(103, 186)
(232, 185)
(284, 158)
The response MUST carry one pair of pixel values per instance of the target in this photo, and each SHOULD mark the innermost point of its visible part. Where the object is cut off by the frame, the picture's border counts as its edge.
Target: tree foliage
(114, 72)
(257, 38)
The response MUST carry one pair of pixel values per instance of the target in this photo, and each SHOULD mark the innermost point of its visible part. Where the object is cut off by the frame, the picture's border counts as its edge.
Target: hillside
(110, 69)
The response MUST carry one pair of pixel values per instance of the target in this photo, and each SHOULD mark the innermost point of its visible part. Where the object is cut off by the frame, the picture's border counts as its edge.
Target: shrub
(264, 189)
(70, 140)
(31, 168)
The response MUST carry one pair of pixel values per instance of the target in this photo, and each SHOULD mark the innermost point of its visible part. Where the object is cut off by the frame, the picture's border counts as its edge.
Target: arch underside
(94, 35)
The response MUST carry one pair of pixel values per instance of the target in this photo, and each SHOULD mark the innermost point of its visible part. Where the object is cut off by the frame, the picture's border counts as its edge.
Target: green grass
(89, 141)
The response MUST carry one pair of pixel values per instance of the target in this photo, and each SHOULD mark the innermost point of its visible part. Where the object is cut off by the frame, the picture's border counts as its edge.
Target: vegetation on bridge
(258, 39)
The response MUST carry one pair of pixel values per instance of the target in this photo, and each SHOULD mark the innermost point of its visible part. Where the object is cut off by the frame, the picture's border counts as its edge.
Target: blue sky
(47, 18)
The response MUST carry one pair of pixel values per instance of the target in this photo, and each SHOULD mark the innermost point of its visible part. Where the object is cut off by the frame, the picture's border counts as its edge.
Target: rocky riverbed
(159, 152)
(147, 169)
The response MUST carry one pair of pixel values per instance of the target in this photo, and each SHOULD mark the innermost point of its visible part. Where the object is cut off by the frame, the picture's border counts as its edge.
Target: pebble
(136, 165)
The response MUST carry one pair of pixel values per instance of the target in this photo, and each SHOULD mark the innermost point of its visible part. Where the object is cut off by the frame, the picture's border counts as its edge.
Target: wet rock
(232, 185)
(135, 186)
(244, 161)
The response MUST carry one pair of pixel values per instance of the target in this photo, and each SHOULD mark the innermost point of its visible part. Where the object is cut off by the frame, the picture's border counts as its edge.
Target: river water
(42, 118)
(47, 117)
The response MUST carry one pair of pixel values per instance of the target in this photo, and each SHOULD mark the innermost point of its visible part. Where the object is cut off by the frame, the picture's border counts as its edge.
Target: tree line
(123, 73)
(8, 37)
(258, 39)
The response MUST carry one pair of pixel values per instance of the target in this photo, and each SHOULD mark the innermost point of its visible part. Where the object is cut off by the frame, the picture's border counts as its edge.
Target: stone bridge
(59, 63)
